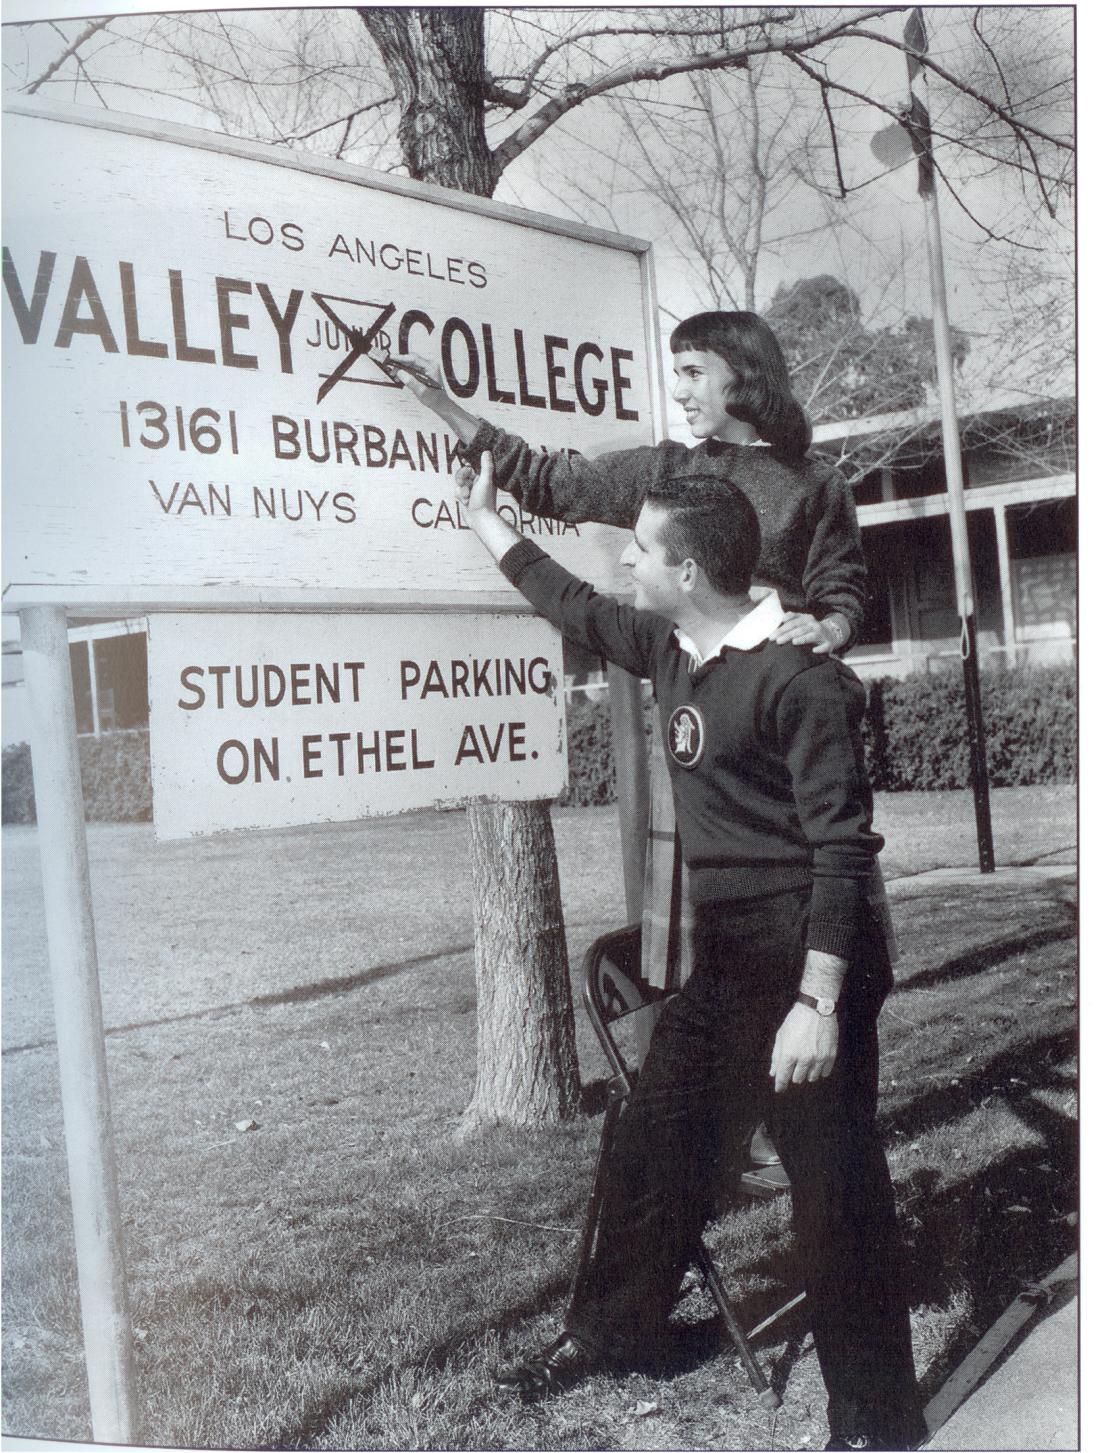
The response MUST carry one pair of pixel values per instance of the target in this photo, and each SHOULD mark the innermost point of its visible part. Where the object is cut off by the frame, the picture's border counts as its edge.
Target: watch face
(826, 1006)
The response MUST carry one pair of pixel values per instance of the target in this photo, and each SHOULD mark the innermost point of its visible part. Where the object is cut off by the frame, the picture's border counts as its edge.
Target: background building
(1018, 466)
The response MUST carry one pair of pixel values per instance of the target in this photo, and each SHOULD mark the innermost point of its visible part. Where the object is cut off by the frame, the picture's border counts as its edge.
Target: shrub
(916, 732)
(114, 771)
(591, 759)
(18, 793)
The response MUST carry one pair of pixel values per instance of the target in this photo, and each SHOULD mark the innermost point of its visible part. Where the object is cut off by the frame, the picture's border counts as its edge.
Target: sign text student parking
(333, 718)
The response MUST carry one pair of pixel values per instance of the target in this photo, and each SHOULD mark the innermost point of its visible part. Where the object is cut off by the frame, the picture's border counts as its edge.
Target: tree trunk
(435, 58)
(527, 1056)
(526, 1044)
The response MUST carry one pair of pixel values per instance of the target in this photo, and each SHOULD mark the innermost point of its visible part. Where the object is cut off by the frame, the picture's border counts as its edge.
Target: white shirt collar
(749, 631)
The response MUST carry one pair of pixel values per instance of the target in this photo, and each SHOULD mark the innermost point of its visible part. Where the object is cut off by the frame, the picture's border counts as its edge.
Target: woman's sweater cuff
(483, 439)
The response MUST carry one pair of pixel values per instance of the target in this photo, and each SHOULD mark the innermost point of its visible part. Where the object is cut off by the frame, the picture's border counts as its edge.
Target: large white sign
(190, 413)
(274, 721)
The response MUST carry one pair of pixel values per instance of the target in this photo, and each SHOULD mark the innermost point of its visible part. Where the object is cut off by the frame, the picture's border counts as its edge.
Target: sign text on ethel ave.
(279, 720)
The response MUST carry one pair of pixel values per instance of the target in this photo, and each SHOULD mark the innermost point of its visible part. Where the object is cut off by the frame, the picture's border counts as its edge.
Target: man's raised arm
(604, 625)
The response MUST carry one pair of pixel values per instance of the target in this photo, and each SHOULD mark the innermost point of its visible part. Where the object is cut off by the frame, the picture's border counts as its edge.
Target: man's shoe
(557, 1367)
(762, 1149)
(868, 1443)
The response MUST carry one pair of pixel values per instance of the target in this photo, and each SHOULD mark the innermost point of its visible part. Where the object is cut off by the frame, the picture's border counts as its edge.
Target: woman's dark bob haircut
(761, 391)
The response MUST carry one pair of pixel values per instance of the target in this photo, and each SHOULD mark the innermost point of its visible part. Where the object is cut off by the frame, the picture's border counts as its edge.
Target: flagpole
(919, 129)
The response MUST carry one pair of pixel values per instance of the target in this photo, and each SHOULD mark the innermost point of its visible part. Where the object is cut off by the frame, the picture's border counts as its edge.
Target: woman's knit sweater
(810, 549)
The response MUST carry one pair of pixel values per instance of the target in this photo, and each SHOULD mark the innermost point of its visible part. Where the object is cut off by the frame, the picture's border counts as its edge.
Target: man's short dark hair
(711, 522)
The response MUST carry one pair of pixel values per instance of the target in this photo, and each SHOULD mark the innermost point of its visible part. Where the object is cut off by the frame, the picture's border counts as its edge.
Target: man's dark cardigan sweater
(809, 535)
(763, 747)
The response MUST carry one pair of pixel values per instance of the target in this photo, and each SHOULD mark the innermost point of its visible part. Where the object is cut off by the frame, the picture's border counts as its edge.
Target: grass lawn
(347, 1274)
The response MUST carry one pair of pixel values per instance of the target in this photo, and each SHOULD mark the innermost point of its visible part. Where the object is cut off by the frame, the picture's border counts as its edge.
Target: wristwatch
(834, 630)
(825, 1007)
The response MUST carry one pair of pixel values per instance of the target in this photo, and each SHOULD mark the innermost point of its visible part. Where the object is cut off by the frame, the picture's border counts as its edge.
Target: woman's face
(702, 382)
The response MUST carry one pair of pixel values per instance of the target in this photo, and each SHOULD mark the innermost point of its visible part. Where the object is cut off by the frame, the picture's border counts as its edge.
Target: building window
(1049, 528)
(881, 547)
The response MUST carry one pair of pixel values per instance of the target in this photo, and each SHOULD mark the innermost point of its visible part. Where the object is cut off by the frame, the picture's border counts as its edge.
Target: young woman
(733, 385)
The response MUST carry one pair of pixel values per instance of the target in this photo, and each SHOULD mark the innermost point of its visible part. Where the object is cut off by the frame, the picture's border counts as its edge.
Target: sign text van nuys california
(189, 400)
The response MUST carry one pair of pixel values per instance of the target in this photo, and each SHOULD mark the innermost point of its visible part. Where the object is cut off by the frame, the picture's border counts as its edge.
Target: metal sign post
(78, 1014)
(893, 146)
(960, 544)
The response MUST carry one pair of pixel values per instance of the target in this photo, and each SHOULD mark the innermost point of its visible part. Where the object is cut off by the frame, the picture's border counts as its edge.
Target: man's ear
(689, 575)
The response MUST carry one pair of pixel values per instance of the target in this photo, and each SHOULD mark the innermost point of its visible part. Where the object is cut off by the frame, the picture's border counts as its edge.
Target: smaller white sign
(280, 720)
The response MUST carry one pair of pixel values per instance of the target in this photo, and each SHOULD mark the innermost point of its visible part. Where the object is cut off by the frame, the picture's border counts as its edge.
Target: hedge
(916, 736)
(114, 769)
(914, 732)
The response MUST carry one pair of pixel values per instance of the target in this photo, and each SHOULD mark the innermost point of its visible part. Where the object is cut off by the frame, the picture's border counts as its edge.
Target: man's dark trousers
(704, 1083)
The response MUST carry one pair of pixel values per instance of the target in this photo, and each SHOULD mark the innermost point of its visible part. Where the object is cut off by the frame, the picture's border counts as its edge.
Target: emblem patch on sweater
(685, 736)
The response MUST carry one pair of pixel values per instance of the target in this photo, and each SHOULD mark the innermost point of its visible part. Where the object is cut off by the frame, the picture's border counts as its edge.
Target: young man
(777, 1018)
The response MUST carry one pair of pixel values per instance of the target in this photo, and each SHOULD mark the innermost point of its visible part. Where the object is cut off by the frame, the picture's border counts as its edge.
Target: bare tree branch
(54, 66)
(993, 236)
(833, 138)
(929, 64)
(339, 121)
(777, 17)
(976, 26)
(577, 93)
(900, 117)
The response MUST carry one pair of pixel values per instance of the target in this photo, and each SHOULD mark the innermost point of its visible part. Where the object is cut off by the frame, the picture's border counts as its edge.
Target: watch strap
(822, 1006)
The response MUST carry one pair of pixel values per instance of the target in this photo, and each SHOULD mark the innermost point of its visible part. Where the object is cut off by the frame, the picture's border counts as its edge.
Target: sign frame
(89, 599)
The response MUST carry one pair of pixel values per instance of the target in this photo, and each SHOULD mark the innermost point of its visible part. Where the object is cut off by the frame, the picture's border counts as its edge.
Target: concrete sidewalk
(1030, 1399)
(913, 885)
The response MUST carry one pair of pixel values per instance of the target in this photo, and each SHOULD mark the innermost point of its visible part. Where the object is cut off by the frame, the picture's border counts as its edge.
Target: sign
(191, 415)
(262, 721)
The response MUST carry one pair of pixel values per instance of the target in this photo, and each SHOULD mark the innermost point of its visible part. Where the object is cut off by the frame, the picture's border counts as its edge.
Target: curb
(1061, 1284)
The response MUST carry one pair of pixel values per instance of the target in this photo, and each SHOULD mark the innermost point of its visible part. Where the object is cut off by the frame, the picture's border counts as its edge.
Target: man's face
(656, 582)
(702, 385)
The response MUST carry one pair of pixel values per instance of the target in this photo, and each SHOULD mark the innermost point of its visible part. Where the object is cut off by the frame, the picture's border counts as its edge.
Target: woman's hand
(798, 628)
(418, 374)
(425, 382)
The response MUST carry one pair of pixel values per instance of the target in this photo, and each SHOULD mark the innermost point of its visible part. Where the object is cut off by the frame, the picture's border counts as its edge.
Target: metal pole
(78, 1014)
(632, 781)
(1008, 595)
(93, 686)
(960, 545)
